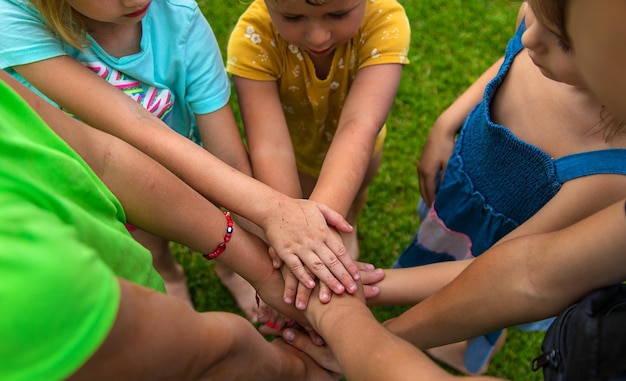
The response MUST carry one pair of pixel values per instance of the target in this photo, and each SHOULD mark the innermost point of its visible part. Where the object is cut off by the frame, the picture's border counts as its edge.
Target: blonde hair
(64, 21)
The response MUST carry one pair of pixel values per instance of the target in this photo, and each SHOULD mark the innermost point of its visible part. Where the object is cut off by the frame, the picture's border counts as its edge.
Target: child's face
(549, 52)
(597, 30)
(112, 11)
(317, 29)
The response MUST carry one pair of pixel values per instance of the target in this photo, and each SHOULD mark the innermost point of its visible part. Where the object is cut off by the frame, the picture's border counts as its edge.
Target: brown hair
(552, 12)
(611, 125)
(64, 21)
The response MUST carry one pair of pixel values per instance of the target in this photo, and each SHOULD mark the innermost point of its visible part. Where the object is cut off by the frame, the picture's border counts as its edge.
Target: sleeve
(253, 47)
(208, 85)
(58, 299)
(385, 35)
(25, 38)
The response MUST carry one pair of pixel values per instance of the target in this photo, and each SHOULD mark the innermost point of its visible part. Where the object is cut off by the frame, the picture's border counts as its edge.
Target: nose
(532, 37)
(317, 34)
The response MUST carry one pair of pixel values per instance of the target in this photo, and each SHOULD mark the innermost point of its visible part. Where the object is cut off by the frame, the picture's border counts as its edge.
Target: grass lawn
(453, 42)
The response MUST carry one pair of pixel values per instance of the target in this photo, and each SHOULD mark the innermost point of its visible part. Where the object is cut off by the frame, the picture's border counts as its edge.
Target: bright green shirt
(62, 244)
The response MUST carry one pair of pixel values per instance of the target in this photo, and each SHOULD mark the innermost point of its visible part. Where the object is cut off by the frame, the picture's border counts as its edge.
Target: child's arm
(269, 143)
(364, 113)
(589, 194)
(157, 337)
(363, 348)
(441, 138)
(157, 201)
(282, 218)
(440, 142)
(409, 286)
(220, 136)
(522, 280)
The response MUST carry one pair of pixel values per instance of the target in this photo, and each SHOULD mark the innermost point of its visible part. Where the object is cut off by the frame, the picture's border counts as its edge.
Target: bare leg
(164, 262)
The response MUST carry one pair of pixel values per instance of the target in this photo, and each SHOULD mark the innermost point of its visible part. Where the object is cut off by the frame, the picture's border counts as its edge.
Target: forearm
(410, 286)
(133, 124)
(363, 115)
(157, 337)
(220, 135)
(345, 166)
(535, 277)
(277, 169)
(366, 351)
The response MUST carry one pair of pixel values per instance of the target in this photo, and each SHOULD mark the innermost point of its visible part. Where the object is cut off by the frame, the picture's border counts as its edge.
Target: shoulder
(174, 12)
(256, 16)
(12, 11)
(384, 10)
(386, 18)
(255, 39)
(385, 34)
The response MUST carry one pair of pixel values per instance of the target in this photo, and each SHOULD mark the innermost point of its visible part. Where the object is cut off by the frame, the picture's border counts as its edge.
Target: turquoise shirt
(179, 71)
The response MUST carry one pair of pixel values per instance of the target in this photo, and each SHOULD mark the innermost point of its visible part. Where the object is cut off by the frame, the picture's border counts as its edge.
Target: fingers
(335, 219)
(324, 294)
(327, 268)
(371, 291)
(315, 337)
(302, 297)
(272, 321)
(291, 285)
(333, 272)
(338, 250)
(276, 261)
(315, 247)
(297, 268)
(321, 354)
(370, 274)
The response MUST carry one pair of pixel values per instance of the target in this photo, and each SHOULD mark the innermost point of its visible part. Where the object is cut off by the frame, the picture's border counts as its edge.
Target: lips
(139, 12)
(320, 52)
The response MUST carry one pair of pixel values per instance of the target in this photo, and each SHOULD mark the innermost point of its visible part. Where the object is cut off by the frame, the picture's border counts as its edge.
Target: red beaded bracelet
(222, 246)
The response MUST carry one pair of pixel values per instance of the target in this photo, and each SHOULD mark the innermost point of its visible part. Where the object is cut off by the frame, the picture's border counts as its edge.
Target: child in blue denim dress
(554, 163)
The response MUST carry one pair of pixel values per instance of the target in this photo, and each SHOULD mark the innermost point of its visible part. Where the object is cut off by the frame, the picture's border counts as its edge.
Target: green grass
(453, 42)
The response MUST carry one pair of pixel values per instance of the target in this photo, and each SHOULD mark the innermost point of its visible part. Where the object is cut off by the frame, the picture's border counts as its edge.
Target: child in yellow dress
(315, 81)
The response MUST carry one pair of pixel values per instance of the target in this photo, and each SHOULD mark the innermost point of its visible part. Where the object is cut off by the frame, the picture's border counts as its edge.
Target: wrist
(227, 236)
(332, 315)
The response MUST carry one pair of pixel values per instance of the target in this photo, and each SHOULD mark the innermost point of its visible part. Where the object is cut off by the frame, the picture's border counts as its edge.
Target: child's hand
(434, 160)
(370, 275)
(296, 291)
(302, 239)
(272, 322)
(322, 354)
